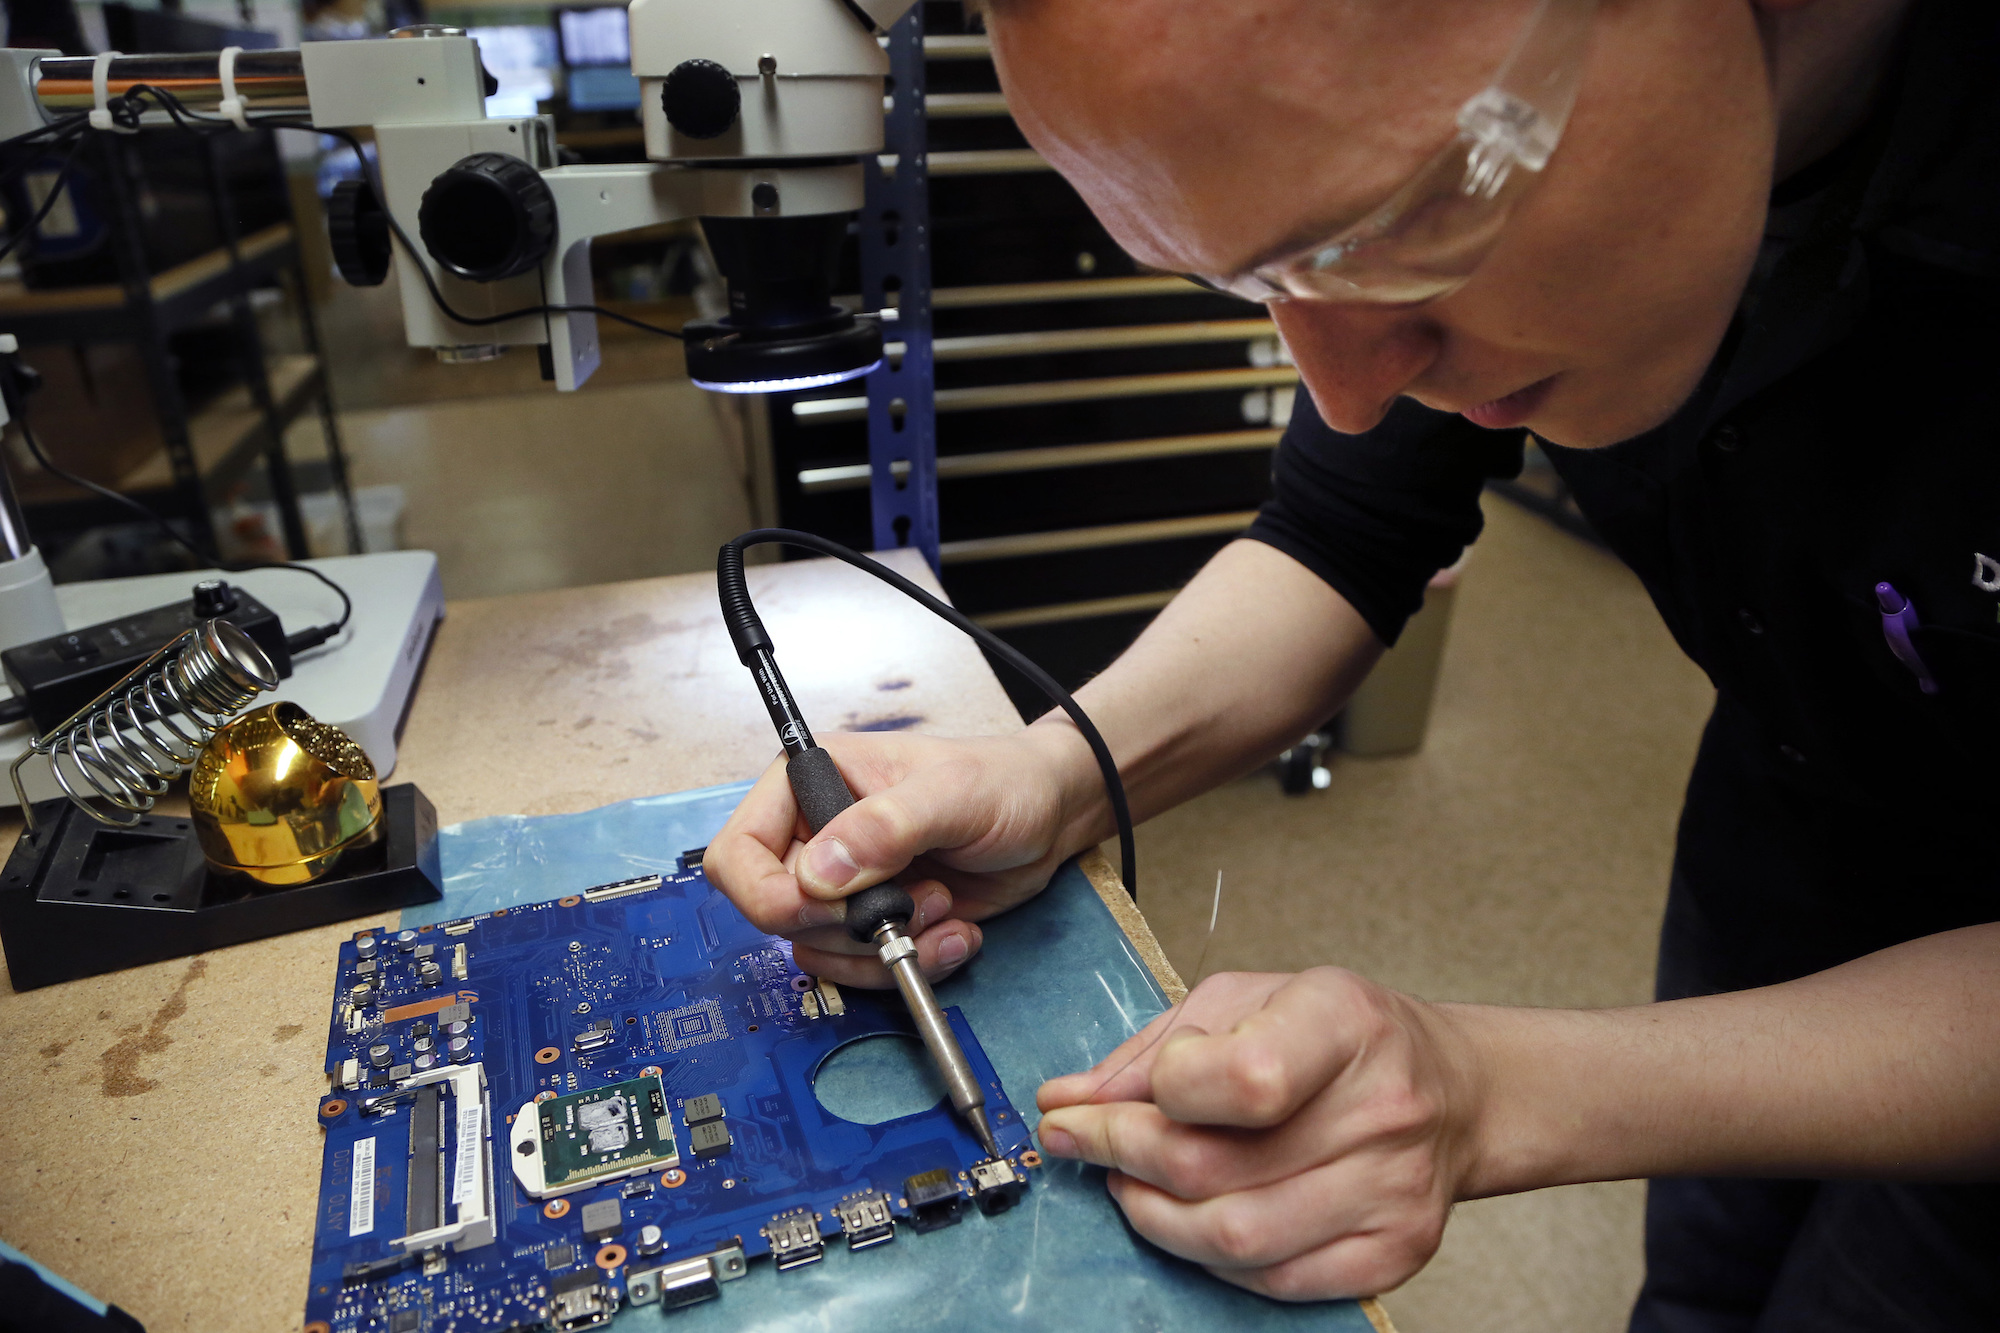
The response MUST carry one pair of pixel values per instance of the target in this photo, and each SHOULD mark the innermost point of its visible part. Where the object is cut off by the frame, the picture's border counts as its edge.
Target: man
(1747, 302)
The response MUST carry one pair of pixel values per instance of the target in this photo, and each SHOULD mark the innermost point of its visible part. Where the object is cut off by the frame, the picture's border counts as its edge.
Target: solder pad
(702, 1009)
(606, 1133)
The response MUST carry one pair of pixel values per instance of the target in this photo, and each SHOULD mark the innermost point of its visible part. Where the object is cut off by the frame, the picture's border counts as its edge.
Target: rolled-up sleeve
(1377, 515)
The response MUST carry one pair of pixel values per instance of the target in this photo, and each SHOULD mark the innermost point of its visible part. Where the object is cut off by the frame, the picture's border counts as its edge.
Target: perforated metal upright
(896, 257)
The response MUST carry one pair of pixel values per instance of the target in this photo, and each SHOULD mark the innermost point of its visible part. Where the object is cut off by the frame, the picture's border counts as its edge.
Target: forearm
(1885, 1067)
(1255, 652)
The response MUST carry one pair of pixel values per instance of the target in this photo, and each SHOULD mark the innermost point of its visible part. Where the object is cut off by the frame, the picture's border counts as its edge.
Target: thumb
(879, 835)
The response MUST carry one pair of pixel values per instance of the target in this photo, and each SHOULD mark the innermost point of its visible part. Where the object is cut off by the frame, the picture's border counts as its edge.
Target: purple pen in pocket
(1898, 619)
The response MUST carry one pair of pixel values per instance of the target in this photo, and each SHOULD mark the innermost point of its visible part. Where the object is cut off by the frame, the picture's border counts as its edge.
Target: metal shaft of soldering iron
(875, 915)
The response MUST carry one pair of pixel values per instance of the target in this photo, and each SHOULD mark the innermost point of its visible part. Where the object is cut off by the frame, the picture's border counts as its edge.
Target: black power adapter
(54, 677)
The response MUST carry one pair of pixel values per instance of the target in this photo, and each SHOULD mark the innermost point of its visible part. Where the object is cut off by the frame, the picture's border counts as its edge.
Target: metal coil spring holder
(125, 745)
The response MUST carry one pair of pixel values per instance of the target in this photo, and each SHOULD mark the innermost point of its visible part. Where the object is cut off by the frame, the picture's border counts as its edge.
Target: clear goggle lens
(1427, 240)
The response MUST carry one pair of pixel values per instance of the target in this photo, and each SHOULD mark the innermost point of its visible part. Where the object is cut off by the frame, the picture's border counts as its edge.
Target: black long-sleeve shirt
(1847, 434)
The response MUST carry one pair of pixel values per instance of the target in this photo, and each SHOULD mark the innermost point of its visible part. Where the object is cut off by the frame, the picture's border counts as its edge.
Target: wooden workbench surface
(159, 1144)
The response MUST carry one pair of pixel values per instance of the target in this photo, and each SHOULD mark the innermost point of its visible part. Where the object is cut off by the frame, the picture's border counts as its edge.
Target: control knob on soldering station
(212, 598)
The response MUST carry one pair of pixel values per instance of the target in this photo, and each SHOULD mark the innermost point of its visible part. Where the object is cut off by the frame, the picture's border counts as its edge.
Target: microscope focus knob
(359, 232)
(701, 99)
(488, 217)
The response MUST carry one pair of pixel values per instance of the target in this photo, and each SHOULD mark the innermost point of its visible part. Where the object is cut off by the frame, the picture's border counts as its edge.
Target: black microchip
(559, 1256)
(404, 1321)
(934, 1200)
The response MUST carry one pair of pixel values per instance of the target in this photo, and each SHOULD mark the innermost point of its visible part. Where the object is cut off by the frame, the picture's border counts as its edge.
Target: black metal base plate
(78, 899)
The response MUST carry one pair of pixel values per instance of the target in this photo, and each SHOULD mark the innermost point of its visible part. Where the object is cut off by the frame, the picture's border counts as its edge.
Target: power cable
(298, 642)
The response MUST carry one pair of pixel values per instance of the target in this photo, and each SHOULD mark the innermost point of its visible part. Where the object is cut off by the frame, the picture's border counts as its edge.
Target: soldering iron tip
(982, 1131)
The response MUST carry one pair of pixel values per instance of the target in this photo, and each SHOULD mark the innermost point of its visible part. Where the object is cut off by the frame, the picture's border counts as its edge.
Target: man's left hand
(1303, 1136)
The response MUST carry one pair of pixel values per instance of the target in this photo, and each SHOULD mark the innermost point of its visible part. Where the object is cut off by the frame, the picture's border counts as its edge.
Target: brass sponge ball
(280, 797)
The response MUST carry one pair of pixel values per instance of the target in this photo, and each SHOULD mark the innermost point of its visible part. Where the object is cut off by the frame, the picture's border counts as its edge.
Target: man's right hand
(979, 825)
(1251, 655)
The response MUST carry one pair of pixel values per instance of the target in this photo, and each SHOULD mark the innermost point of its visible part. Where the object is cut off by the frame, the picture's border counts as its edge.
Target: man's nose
(1356, 359)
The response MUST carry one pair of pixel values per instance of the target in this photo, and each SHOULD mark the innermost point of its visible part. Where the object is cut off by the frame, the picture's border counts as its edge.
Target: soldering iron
(880, 915)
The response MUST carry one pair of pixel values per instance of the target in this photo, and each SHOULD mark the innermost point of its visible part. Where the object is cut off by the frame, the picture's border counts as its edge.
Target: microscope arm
(594, 201)
(753, 110)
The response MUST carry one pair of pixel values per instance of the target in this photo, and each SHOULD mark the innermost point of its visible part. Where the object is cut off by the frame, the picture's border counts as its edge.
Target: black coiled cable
(746, 632)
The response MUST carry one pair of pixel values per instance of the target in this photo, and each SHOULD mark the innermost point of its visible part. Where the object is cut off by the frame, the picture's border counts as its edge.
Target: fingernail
(815, 913)
(1057, 1140)
(936, 908)
(828, 867)
(952, 951)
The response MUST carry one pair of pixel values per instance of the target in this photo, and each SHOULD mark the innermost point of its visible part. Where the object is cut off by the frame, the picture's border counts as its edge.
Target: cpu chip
(584, 1138)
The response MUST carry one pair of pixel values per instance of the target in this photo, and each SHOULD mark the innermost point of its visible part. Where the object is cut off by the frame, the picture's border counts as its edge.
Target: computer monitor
(596, 49)
(521, 58)
(597, 36)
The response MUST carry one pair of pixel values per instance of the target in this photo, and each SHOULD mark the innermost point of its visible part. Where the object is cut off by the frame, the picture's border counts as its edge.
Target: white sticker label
(361, 1192)
(471, 1129)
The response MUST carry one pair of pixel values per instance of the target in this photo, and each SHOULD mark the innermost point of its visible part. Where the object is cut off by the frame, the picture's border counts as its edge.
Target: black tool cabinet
(1101, 430)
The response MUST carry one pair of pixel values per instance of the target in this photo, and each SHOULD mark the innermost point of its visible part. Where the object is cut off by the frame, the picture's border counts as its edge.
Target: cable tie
(100, 92)
(231, 105)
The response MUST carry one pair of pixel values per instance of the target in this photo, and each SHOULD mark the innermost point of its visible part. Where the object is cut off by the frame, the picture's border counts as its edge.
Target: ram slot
(426, 1175)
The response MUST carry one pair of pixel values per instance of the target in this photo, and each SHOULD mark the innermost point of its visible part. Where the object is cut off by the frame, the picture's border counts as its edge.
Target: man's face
(1207, 137)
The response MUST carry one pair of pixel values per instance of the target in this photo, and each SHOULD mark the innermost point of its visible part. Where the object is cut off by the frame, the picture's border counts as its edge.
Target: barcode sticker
(471, 1130)
(361, 1191)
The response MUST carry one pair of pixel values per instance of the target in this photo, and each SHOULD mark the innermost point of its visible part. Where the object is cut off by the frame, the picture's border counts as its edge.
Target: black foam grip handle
(818, 787)
(822, 793)
(868, 909)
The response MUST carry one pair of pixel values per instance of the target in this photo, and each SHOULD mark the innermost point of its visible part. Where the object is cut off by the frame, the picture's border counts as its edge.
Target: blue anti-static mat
(1056, 988)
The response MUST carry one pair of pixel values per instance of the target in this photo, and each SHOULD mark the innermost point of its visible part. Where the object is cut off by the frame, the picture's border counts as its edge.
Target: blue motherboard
(547, 1112)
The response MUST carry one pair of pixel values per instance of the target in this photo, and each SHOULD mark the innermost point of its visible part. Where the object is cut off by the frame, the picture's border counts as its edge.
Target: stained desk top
(159, 1145)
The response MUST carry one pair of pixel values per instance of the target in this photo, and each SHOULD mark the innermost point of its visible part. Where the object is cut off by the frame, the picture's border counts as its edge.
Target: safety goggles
(1432, 233)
